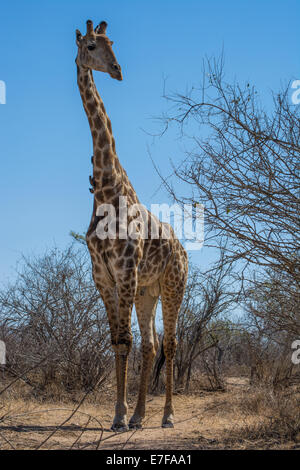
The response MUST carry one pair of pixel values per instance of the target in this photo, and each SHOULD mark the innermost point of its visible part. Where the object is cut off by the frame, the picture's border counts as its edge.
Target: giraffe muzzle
(116, 72)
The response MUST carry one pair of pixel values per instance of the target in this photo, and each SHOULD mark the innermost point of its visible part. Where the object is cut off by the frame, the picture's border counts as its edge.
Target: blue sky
(45, 144)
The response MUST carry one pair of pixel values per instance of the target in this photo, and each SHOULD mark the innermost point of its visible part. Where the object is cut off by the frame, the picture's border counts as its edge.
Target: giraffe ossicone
(127, 270)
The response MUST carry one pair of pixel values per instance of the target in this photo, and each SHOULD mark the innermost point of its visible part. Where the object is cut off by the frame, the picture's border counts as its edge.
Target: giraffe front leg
(121, 408)
(109, 297)
(145, 305)
(126, 293)
(148, 352)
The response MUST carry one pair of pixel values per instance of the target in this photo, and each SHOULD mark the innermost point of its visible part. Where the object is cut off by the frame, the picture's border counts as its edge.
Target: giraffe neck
(110, 179)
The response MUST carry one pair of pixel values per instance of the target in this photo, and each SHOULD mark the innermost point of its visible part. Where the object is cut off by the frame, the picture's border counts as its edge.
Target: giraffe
(128, 270)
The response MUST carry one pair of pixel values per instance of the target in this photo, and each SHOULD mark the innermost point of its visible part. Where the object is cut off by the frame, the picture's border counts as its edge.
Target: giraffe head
(95, 51)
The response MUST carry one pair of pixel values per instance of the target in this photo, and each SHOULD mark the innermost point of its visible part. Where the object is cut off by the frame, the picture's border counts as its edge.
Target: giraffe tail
(158, 366)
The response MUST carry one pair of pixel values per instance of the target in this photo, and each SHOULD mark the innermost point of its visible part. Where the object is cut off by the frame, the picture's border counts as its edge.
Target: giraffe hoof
(133, 425)
(119, 427)
(168, 422)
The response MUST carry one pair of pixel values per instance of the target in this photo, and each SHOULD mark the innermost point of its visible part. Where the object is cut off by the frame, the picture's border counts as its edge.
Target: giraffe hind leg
(172, 296)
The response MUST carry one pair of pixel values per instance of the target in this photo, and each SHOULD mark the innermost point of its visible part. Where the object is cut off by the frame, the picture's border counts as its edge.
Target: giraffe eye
(91, 47)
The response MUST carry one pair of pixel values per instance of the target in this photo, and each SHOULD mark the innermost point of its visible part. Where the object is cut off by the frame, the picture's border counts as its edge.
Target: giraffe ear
(78, 37)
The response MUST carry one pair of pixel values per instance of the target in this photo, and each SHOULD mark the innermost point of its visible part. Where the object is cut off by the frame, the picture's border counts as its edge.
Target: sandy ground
(203, 421)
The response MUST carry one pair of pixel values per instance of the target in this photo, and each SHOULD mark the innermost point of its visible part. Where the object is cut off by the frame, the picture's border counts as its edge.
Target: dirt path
(203, 421)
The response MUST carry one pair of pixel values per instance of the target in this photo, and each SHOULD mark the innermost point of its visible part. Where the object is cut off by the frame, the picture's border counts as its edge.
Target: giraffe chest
(156, 255)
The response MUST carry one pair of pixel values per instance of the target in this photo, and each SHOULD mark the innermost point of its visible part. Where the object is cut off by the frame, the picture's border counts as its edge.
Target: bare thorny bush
(269, 355)
(246, 171)
(243, 165)
(54, 325)
(206, 299)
